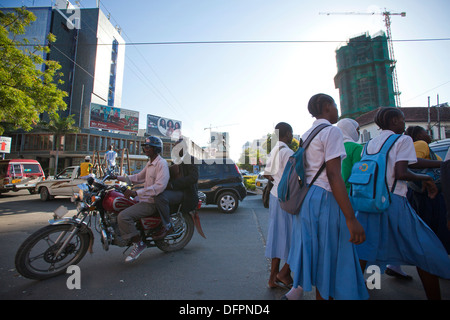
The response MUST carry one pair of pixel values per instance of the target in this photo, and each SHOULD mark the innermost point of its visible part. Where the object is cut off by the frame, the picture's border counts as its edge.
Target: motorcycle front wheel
(183, 226)
(37, 257)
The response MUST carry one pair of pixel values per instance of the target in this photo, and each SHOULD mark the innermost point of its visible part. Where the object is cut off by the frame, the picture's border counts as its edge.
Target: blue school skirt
(279, 231)
(399, 236)
(321, 254)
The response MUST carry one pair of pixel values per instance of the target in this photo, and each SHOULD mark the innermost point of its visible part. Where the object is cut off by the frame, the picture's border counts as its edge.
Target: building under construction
(364, 76)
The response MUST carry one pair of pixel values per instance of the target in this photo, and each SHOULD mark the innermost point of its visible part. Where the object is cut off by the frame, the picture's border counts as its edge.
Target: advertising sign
(5, 144)
(112, 118)
(158, 126)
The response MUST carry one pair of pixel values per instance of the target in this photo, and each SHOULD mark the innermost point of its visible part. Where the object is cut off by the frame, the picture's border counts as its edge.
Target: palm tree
(60, 127)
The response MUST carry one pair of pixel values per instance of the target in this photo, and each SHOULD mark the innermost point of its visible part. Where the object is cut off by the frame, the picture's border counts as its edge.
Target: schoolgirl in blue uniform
(398, 236)
(325, 232)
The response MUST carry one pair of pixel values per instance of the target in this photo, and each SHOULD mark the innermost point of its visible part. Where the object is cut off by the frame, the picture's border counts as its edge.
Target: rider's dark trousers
(163, 201)
(127, 218)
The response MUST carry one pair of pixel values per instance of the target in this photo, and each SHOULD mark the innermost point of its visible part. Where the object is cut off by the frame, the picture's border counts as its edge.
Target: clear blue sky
(246, 89)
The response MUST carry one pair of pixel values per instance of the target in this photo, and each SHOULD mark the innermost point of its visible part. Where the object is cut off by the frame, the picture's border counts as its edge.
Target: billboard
(112, 118)
(158, 126)
(5, 144)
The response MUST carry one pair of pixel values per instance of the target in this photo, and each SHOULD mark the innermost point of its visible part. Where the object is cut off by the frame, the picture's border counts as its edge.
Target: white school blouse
(402, 150)
(276, 163)
(327, 144)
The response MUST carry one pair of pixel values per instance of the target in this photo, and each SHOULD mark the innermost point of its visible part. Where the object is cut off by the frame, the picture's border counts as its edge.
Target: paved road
(228, 265)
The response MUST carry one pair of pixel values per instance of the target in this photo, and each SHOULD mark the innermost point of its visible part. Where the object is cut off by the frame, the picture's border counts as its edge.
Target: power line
(273, 41)
(248, 42)
(443, 84)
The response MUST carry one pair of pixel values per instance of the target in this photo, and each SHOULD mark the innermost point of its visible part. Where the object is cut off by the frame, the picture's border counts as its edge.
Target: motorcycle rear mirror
(90, 180)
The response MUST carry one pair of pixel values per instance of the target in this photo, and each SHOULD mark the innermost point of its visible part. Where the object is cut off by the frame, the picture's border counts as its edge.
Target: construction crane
(387, 20)
(211, 127)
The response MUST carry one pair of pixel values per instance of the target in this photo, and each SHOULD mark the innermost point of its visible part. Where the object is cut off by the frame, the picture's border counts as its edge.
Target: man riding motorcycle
(155, 177)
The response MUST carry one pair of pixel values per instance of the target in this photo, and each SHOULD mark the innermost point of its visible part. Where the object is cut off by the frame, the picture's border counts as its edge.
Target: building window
(82, 141)
(70, 142)
(93, 143)
(112, 76)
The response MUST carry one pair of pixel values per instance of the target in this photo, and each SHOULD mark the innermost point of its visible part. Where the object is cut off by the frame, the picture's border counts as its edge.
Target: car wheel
(228, 202)
(45, 195)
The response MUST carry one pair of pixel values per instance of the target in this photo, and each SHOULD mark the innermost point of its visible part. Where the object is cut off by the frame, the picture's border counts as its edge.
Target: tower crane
(387, 20)
(211, 127)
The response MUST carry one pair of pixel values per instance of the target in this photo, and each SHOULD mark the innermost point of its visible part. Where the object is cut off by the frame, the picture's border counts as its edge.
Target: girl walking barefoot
(325, 231)
(280, 222)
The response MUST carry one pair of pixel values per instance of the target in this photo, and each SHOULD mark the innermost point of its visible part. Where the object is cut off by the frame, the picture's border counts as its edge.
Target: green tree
(59, 127)
(27, 80)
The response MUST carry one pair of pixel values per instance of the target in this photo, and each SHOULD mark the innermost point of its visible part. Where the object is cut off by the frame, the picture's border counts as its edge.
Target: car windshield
(65, 174)
(440, 149)
(31, 168)
(441, 153)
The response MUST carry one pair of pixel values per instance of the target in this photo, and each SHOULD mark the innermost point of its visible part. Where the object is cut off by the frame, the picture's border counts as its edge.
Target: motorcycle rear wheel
(36, 258)
(173, 243)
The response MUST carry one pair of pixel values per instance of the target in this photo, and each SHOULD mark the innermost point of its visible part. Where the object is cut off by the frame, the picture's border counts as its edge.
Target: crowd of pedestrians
(327, 244)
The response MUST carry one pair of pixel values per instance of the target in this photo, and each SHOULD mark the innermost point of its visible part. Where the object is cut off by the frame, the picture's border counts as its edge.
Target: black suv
(221, 182)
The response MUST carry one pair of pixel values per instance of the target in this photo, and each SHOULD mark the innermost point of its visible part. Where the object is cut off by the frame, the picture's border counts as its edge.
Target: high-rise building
(364, 76)
(91, 53)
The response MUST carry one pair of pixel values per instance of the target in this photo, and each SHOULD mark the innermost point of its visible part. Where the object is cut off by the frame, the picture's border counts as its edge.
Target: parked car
(261, 181)
(440, 147)
(17, 174)
(221, 182)
(63, 184)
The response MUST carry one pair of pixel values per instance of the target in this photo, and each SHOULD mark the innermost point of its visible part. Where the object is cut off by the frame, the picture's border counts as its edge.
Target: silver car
(261, 181)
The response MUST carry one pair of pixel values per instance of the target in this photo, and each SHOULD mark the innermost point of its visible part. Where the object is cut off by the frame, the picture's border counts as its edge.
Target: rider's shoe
(136, 252)
(162, 233)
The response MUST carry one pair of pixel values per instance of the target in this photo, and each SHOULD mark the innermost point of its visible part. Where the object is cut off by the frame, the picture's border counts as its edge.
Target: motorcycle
(50, 250)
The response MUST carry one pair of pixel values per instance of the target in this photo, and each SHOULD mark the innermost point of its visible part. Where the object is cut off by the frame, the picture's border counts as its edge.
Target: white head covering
(348, 128)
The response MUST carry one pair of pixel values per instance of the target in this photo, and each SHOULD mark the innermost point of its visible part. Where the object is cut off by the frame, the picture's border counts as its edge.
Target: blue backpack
(292, 188)
(369, 190)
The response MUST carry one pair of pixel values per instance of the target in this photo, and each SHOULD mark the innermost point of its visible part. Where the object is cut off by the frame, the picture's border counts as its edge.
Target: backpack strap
(308, 140)
(385, 148)
(317, 174)
(313, 133)
(387, 145)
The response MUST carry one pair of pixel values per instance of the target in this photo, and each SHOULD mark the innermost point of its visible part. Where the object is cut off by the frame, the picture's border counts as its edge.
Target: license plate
(16, 180)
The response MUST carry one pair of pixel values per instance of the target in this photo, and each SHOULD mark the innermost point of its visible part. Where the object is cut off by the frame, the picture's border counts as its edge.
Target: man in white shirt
(110, 158)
